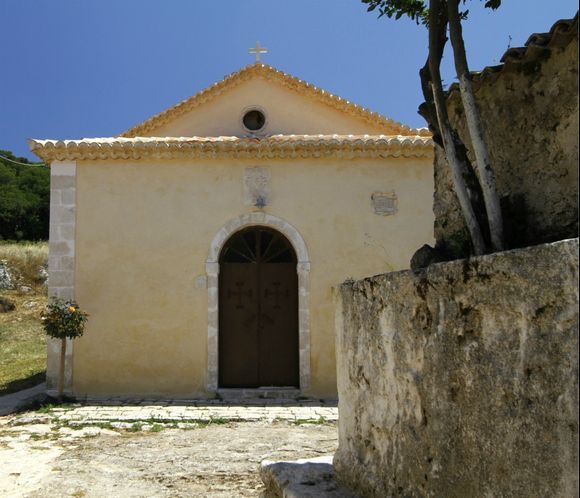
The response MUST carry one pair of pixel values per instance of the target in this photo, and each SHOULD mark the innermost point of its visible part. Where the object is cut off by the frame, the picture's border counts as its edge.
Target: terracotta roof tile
(273, 147)
(537, 46)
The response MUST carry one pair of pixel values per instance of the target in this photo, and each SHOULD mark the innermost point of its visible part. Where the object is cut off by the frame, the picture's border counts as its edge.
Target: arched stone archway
(303, 270)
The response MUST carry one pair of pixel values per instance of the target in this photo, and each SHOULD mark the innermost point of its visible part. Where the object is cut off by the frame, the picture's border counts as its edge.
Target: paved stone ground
(155, 449)
(246, 411)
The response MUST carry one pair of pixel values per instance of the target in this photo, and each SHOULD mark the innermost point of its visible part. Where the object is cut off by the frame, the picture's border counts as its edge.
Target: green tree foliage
(418, 10)
(415, 9)
(24, 199)
(64, 319)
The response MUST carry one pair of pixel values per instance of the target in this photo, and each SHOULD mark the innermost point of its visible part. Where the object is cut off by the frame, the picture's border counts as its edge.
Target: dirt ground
(42, 459)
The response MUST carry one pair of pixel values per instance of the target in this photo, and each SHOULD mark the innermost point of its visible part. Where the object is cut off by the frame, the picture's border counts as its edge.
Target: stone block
(61, 278)
(66, 263)
(55, 197)
(61, 182)
(65, 293)
(68, 196)
(462, 379)
(257, 186)
(53, 263)
(52, 362)
(66, 231)
(62, 214)
(305, 478)
(63, 168)
(53, 231)
(61, 248)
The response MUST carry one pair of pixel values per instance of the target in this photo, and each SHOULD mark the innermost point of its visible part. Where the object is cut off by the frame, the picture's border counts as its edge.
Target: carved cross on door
(276, 293)
(239, 294)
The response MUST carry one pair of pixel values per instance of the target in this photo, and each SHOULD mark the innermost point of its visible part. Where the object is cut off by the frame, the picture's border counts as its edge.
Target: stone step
(306, 478)
(259, 393)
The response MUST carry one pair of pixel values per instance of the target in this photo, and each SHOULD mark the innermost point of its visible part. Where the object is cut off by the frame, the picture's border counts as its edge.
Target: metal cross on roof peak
(257, 50)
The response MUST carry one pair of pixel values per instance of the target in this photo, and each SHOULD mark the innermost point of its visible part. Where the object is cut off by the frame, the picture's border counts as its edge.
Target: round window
(254, 120)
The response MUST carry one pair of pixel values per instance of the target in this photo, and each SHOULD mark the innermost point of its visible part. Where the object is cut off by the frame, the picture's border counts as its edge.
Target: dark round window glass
(254, 120)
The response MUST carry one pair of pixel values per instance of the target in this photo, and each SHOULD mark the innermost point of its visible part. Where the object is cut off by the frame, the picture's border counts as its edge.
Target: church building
(205, 242)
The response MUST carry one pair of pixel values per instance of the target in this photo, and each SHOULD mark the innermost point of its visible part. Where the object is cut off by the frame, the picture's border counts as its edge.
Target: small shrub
(6, 305)
(64, 319)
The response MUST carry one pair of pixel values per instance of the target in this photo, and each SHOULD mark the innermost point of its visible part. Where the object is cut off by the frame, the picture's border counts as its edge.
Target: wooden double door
(258, 311)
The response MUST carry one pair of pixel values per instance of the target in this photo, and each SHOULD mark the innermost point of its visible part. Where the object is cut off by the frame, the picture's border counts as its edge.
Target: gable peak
(264, 71)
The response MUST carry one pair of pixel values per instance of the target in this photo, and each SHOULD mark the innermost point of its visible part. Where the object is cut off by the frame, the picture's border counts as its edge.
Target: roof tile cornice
(297, 85)
(536, 48)
(274, 147)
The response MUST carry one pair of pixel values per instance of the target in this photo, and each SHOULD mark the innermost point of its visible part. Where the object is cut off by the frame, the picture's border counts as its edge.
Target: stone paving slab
(320, 413)
(124, 401)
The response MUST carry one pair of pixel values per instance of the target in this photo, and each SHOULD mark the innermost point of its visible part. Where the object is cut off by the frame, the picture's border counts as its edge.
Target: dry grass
(25, 261)
(22, 338)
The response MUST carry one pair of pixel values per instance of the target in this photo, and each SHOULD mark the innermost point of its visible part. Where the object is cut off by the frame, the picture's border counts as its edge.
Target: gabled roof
(258, 70)
(273, 147)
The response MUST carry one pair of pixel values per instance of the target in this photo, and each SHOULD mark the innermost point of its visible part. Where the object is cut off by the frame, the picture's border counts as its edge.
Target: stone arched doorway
(258, 310)
(303, 272)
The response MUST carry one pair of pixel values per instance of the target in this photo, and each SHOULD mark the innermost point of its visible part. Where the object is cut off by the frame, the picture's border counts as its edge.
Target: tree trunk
(438, 37)
(435, 55)
(487, 178)
(61, 369)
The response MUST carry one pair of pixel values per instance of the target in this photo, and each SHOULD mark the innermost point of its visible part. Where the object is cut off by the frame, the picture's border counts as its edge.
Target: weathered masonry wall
(529, 108)
(61, 258)
(462, 379)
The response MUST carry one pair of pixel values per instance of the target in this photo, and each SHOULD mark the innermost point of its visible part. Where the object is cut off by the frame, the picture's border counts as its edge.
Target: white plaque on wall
(385, 203)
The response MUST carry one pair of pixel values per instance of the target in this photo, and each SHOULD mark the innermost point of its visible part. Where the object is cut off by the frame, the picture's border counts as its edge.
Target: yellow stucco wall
(143, 233)
(287, 112)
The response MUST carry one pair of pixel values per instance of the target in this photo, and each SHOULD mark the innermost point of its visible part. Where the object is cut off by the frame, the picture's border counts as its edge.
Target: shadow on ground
(25, 383)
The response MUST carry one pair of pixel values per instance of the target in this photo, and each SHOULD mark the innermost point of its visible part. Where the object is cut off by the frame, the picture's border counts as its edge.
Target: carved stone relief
(257, 186)
(385, 203)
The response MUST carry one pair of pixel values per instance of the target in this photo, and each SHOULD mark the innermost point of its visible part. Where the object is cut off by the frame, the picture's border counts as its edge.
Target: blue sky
(79, 68)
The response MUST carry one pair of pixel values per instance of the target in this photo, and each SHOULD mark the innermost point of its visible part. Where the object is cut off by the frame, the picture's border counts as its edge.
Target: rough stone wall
(530, 115)
(462, 379)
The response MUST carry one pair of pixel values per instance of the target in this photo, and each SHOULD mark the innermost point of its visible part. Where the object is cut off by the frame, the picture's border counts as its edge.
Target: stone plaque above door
(257, 186)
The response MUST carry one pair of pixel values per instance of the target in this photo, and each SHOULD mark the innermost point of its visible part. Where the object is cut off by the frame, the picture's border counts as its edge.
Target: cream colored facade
(151, 214)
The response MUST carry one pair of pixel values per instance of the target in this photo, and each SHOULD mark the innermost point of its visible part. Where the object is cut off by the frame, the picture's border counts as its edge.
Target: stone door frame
(212, 270)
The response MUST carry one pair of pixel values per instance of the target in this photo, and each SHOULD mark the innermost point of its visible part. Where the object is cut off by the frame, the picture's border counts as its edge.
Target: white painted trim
(303, 269)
